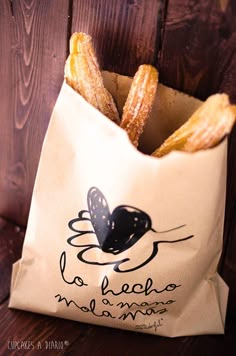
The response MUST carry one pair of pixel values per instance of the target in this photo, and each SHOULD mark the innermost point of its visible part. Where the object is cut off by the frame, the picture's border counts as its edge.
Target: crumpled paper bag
(116, 237)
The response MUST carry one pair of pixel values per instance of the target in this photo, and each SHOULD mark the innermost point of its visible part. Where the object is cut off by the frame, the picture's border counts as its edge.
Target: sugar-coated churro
(82, 73)
(139, 102)
(207, 126)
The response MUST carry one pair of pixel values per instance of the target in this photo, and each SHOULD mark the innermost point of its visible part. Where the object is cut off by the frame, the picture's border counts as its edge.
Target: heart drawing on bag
(119, 230)
(116, 231)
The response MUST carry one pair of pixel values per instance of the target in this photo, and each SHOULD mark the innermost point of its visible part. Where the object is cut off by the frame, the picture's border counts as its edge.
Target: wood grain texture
(120, 342)
(5, 93)
(125, 33)
(39, 330)
(33, 73)
(198, 52)
(11, 241)
(88, 340)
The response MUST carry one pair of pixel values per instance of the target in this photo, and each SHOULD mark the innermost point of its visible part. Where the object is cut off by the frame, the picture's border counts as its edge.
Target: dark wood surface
(193, 44)
(121, 48)
(198, 51)
(11, 240)
(31, 64)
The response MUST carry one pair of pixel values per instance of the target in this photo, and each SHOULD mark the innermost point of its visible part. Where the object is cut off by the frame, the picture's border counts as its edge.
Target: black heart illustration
(119, 230)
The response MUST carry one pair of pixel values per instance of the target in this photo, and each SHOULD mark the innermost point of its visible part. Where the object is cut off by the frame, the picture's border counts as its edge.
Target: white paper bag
(119, 238)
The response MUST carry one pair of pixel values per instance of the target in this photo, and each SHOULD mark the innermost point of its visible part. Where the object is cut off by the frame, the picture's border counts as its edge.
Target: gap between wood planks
(69, 26)
(161, 20)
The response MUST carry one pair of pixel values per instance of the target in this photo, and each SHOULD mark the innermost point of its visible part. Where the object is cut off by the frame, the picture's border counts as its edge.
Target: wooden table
(193, 44)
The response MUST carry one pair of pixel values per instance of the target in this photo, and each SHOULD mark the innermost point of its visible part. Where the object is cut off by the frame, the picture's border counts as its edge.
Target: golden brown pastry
(82, 73)
(205, 128)
(139, 102)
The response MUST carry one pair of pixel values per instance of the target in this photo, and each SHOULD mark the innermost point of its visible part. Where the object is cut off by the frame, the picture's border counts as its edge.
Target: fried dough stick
(204, 129)
(82, 73)
(139, 102)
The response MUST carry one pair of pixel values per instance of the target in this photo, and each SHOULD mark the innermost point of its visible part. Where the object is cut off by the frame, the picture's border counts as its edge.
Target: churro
(82, 73)
(208, 125)
(139, 102)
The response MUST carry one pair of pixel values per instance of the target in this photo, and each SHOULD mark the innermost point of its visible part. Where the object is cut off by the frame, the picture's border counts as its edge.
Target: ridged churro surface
(82, 73)
(139, 102)
(205, 128)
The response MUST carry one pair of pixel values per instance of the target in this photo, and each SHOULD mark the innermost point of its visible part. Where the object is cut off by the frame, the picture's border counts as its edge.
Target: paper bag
(116, 237)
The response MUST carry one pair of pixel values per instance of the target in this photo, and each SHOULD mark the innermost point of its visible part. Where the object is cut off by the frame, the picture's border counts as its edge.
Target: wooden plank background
(198, 52)
(31, 62)
(121, 48)
(192, 43)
